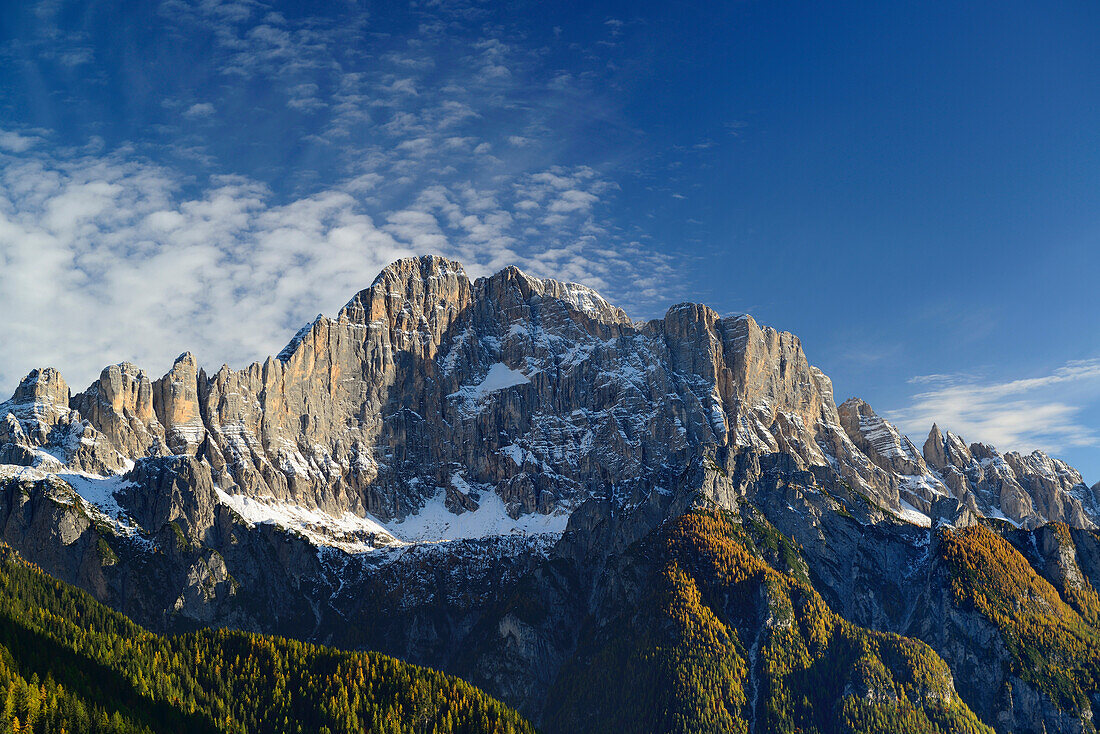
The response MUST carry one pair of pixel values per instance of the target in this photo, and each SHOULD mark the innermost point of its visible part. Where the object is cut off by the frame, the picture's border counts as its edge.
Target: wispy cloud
(364, 146)
(1033, 412)
(105, 257)
(199, 110)
(13, 142)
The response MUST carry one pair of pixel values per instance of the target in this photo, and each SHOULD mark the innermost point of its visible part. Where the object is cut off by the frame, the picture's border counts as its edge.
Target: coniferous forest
(70, 664)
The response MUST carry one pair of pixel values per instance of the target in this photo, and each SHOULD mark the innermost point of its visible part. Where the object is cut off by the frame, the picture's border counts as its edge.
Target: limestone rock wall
(427, 383)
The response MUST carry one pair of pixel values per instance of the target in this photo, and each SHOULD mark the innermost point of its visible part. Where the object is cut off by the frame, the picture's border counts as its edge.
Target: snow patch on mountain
(911, 514)
(499, 377)
(348, 532)
(98, 491)
(433, 523)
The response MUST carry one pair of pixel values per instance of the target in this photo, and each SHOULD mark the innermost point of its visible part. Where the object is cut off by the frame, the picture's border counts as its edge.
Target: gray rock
(1028, 490)
(119, 405)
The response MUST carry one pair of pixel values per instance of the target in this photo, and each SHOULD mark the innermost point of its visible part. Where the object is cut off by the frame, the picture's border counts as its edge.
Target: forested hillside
(1052, 639)
(70, 664)
(727, 643)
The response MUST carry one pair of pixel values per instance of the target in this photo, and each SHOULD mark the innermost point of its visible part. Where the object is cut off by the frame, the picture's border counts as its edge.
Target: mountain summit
(485, 476)
(538, 391)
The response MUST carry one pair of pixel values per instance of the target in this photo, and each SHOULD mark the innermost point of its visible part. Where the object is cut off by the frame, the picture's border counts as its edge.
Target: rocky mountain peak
(1025, 490)
(176, 403)
(880, 440)
(38, 404)
(983, 452)
(956, 451)
(415, 301)
(855, 406)
(428, 389)
(39, 427)
(418, 285)
(44, 386)
(513, 285)
(120, 406)
(933, 448)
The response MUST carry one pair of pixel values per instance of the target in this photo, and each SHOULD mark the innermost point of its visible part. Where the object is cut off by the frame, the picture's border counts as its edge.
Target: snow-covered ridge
(349, 532)
(96, 494)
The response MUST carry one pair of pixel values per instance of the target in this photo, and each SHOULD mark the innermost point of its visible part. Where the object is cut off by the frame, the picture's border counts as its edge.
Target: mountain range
(610, 525)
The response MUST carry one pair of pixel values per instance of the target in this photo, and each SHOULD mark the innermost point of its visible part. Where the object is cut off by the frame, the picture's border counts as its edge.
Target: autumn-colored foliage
(726, 642)
(1052, 646)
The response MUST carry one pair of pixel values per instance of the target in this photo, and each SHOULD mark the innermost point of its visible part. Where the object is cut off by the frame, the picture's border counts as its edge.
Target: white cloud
(109, 256)
(404, 86)
(199, 110)
(13, 142)
(573, 200)
(1022, 414)
(105, 261)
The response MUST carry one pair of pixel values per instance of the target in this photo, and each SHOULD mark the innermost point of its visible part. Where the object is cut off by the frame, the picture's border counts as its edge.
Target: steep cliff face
(119, 405)
(462, 473)
(427, 386)
(177, 407)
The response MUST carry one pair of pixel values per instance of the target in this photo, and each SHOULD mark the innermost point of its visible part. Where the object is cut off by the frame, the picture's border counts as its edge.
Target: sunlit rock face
(1026, 490)
(428, 385)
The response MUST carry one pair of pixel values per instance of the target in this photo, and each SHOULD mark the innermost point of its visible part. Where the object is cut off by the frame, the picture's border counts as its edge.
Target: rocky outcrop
(971, 645)
(119, 405)
(38, 410)
(39, 428)
(1027, 490)
(880, 440)
(177, 493)
(43, 517)
(177, 406)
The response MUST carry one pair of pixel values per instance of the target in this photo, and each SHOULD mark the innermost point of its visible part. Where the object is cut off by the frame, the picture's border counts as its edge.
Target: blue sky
(912, 188)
